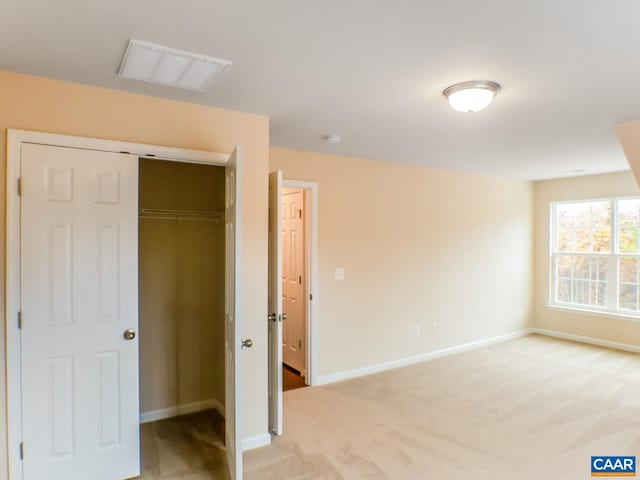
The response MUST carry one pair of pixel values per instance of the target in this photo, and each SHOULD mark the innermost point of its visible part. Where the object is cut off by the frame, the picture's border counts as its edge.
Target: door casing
(15, 138)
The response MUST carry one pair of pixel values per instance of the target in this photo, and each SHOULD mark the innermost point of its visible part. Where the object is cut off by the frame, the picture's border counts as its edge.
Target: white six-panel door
(79, 293)
(294, 279)
(275, 303)
(233, 316)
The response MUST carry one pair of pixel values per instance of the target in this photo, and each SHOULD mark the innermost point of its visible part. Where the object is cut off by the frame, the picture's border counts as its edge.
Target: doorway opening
(293, 290)
(181, 278)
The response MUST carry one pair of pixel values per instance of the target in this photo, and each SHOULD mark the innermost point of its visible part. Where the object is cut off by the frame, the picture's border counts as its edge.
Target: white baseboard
(247, 444)
(403, 362)
(591, 340)
(183, 409)
(256, 442)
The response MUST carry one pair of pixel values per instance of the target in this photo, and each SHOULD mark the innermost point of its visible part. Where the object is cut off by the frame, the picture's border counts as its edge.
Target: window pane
(589, 267)
(565, 216)
(565, 223)
(564, 241)
(628, 280)
(628, 270)
(601, 226)
(628, 240)
(583, 227)
(564, 266)
(581, 292)
(601, 238)
(628, 298)
(582, 213)
(563, 292)
(581, 279)
(629, 212)
(598, 294)
(582, 267)
(628, 225)
(582, 239)
(599, 269)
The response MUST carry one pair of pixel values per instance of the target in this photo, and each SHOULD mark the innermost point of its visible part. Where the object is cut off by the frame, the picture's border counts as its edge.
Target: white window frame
(611, 308)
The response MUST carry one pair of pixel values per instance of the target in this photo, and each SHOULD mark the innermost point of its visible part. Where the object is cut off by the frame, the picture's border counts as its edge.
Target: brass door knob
(284, 316)
(248, 343)
(129, 334)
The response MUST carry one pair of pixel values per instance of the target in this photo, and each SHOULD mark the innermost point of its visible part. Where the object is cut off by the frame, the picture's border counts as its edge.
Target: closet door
(233, 314)
(79, 300)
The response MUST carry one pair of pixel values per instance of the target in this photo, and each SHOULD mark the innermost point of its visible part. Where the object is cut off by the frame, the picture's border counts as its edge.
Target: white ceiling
(373, 71)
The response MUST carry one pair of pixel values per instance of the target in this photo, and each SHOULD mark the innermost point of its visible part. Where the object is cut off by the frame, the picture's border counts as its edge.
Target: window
(595, 255)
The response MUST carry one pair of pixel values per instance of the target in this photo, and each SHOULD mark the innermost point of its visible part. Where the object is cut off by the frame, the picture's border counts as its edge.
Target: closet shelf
(157, 214)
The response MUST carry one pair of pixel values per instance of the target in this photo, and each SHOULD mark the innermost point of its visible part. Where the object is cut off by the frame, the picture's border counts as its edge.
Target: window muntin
(595, 255)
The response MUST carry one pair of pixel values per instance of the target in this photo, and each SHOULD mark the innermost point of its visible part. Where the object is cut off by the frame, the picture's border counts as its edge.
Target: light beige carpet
(189, 447)
(532, 408)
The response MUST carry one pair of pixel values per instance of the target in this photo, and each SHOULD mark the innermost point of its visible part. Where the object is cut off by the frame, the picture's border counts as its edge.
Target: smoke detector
(153, 63)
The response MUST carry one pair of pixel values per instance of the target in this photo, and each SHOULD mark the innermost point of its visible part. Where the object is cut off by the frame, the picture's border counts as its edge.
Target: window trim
(611, 309)
(593, 313)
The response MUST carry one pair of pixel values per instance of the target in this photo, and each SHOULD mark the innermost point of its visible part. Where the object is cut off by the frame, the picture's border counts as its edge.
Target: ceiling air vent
(175, 68)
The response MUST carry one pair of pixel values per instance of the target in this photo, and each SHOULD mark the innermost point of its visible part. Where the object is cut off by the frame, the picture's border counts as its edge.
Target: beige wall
(418, 245)
(628, 134)
(181, 279)
(33, 103)
(578, 188)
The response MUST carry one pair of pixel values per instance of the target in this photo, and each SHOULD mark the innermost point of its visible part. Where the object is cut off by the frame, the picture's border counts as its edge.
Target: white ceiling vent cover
(175, 68)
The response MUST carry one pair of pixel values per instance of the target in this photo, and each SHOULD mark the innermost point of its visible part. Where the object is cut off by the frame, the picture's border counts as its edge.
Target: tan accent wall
(418, 245)
(181, 281)
(628, 134)
(576, 323)
(33, 103)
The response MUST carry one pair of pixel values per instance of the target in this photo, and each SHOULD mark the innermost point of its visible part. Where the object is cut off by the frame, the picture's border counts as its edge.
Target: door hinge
(300, 279)
(20, 186)
(20, 320)
(299, 343)
(311, 296)
(21, 450)
(300, 213)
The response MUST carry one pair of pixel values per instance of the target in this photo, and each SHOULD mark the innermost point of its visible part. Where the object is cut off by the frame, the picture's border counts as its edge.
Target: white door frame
(313, 298)
(15, 139)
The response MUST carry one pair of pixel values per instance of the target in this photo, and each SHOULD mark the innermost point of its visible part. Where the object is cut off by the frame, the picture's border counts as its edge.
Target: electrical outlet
(416, 330)
(434, 327)
(339, 274)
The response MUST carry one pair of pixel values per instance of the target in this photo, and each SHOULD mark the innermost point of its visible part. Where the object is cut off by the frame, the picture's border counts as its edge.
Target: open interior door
(233, 314)
(275, 302)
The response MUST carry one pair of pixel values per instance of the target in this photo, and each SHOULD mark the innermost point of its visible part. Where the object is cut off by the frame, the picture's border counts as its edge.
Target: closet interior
(181, 288)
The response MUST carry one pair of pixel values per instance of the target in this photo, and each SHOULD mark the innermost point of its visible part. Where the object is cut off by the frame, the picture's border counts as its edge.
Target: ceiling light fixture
(471, 96)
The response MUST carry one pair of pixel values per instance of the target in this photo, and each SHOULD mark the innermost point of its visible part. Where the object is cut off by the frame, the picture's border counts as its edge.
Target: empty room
(339, 240)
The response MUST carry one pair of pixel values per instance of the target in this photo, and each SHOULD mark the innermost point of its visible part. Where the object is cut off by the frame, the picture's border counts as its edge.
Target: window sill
(595, 313)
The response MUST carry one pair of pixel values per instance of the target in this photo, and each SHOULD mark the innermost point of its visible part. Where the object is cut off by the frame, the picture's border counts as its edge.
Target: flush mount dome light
(471, 96)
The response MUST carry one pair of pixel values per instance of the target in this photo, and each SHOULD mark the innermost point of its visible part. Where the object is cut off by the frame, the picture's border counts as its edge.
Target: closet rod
(149, 213)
